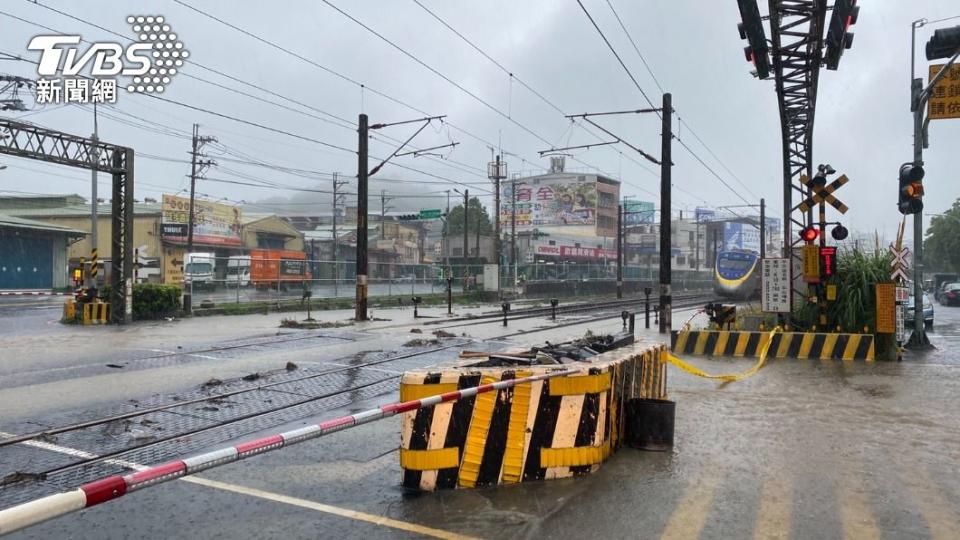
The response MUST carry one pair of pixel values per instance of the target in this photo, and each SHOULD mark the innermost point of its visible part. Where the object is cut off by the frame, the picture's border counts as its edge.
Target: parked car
(949, 294)
(927, 312)
(409, 278)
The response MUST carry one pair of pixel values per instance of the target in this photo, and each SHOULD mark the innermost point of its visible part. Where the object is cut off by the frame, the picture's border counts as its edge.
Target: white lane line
(267, 495)
(328, 509)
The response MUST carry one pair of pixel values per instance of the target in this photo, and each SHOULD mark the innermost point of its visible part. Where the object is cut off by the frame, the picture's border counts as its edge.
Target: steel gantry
(796, 33)
(34, 142)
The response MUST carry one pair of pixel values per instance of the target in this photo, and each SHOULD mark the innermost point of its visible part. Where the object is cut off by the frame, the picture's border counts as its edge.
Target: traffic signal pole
(919, 97)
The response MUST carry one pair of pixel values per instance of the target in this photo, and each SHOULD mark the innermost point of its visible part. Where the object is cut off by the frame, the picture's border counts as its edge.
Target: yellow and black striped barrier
(822, 346)
(96, 313)
(554, 428)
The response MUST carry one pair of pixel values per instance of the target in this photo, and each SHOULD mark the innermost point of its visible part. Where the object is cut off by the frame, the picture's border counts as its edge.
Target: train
(737, 274)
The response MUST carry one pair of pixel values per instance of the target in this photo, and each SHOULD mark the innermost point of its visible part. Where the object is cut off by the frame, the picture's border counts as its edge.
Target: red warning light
(828, 258)
(809, 234)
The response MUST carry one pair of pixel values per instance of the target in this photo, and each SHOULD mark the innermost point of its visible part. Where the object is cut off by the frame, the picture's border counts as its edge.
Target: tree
(941, 249)
(478, 220)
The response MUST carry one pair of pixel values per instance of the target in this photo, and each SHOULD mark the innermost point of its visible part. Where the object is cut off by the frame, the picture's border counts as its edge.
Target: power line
(679, 118)
(533, 91)
(344, 123)
(647, 98)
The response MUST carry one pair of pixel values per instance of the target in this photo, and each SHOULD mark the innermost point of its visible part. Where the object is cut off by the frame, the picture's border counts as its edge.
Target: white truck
(238, 271)
(198, 271)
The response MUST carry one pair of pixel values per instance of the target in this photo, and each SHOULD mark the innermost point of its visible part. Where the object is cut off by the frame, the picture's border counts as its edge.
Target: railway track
(208, 417)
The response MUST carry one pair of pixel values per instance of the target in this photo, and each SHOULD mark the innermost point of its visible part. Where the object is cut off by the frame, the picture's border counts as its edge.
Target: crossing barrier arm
(116, 486)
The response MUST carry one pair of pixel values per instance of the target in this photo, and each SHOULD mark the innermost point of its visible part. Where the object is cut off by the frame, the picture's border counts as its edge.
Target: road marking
(690, 515)
(855, 511)
(326, 508)
(253, 492)
(942, 521)
(775, 513)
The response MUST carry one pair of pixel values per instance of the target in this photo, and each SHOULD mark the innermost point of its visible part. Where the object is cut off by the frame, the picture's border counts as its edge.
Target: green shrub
(154, 300)
(150, 300)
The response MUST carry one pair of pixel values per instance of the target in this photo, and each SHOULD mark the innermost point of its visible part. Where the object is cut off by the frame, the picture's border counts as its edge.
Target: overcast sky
(863, 125)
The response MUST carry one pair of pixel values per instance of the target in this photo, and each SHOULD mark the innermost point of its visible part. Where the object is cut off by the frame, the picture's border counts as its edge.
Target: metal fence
(240, 279)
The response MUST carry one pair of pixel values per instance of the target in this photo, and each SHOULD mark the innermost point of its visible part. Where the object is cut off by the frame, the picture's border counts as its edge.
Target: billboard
(703, 213)
(741, 236)
(638, 212)
(551, 202)
(214, 224)
(573, 252)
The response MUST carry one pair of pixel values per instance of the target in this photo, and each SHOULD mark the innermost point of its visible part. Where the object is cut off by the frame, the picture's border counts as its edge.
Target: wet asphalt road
(804, 449)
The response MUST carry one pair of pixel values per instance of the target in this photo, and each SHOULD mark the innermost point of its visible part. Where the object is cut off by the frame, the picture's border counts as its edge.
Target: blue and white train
(737, 274)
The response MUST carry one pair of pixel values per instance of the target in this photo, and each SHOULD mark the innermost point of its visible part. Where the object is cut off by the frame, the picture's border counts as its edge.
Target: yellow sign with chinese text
(945, 98)
(811, 263)
(886, 308)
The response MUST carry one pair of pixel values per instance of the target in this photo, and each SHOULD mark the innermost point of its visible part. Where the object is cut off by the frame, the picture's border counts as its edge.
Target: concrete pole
(361, 263)
(666, 300)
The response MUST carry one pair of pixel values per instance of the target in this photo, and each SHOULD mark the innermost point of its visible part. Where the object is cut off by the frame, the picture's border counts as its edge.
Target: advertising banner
(741, 236)
(214, 224)
(550, 202)
(638, 212)
(574, 252)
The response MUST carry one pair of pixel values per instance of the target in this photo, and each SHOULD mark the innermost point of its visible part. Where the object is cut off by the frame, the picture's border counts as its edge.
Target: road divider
(762, 358)
(813, 345)
(537, 428)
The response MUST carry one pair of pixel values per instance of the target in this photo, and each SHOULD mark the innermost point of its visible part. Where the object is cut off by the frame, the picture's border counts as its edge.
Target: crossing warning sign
(945, 98)
(886, 308)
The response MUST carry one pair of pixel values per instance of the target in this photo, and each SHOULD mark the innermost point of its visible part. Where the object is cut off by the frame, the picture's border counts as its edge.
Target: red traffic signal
(809, 234)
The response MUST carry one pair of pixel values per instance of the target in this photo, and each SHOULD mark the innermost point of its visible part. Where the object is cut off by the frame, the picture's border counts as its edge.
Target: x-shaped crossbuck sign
(824, 193)
(899, 257)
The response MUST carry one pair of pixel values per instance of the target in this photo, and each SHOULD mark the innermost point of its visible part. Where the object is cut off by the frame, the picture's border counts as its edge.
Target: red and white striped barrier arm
(113, 487)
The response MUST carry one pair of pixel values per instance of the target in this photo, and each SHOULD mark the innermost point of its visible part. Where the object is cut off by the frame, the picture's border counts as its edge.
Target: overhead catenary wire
(679, 117)
(340, 121)
(650, 102)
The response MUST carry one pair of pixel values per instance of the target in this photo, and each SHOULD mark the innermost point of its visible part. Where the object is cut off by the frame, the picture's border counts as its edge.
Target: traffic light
(839, 233)
(911, 189)
(751, 29)
(845, 13)
(944, 43)
(809, 234)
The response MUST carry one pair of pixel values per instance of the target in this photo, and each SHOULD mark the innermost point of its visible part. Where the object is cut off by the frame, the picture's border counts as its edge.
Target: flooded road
(803, 449)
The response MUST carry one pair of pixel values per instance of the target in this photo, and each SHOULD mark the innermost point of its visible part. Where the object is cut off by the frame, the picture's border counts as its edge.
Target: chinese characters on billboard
(561, 201)
(213, 223)
(638, 212)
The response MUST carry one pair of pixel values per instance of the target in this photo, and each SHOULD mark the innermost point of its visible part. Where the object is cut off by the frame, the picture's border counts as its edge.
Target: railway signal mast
(796, 53)
(945, 43)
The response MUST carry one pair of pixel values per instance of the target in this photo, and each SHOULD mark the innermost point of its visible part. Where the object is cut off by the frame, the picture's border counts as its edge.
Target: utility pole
(696, 249)
(94, 206)
(513, 229)
(619, 251)
(363, 176)
(446, 237)
(763, 229)
(336, 239)
(361, 300)
(665, 183)
(497, 171)
(466, 236)
(196, 169)
(383, 212)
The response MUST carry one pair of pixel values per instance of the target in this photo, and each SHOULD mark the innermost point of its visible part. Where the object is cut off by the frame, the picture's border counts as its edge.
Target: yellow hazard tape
(730, 377)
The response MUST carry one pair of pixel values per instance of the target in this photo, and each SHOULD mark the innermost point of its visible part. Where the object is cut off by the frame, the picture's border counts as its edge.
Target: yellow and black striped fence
(823, 346)
(96, 313)
(545, 429)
